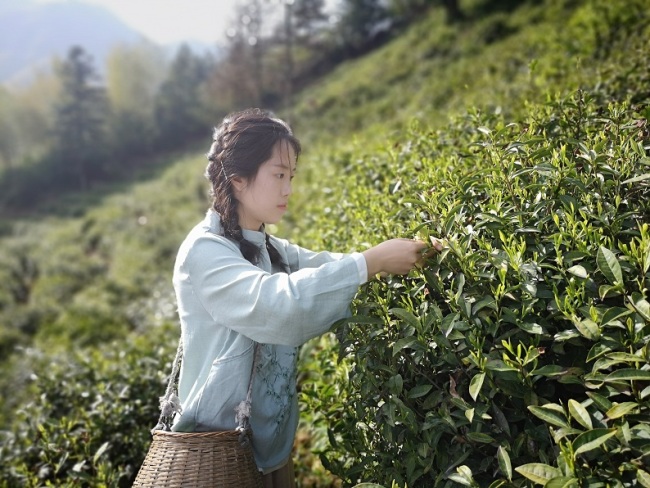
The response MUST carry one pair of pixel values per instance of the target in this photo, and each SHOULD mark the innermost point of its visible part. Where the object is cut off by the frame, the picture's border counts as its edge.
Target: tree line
(70, 128)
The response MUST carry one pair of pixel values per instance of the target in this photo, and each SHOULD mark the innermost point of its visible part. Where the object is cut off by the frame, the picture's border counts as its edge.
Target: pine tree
(180, 111)
(359, 21)
(309, 17)
(80, 118)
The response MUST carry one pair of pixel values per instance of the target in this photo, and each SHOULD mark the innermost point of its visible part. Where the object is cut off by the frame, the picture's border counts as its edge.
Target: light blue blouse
(225, 303)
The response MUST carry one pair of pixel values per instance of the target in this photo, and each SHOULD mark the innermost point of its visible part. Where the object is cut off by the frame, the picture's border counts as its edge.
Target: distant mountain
(32, 33)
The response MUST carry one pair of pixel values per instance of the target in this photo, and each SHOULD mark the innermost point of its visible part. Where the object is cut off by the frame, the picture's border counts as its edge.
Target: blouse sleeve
(276, 308)
(300, 258)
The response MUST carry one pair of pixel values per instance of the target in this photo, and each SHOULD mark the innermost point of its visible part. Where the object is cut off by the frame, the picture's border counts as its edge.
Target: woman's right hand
(396, 256)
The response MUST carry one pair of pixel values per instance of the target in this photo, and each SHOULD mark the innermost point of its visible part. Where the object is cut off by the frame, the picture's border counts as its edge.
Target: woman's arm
(394, 256)
(300, 257)
(277, 308)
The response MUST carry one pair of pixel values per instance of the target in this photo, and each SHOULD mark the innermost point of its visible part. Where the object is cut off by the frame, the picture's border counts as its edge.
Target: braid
(232, 230)
(274, 255)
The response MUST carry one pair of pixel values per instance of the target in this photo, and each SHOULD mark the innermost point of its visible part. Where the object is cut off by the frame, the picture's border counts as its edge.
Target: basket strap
(170, 404)
(243, 410)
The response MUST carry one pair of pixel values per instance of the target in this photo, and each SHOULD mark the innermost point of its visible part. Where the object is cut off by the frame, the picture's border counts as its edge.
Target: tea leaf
(591, 440)
(600, 401)
(549, 370)
(484, 302)
(395, 384)
(578, 271)
(628, 374)
(459, 479)
(643, 478)
(588, 328)
(625, 357)
(465, 471)
(419, 391)
(645, 392)
(480, 437)
(637, 178)
(550, 416)
(531, 328)
(579, 412)
(621, 409)
(609, 266)
(476, 384)
(102, 449)
(504, 462)
(643, 308)
(613, 314)
(499, 365)
(406, 316)
(403, 343)
(500, 419)
(609, 290)
(562, 432)
(598, 349)
(538, 473)
(469, 415)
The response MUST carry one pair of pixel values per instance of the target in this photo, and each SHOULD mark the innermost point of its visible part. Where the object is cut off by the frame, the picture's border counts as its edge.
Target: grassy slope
(109, 258)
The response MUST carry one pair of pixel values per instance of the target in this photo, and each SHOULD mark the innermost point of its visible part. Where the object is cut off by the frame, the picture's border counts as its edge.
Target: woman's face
(264, 198)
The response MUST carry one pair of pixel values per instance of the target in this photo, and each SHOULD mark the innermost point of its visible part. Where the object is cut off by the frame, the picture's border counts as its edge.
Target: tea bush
(520, 353)
(89, 418)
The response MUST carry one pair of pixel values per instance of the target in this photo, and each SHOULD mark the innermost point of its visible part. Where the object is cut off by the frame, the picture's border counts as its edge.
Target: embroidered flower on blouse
(276, 371)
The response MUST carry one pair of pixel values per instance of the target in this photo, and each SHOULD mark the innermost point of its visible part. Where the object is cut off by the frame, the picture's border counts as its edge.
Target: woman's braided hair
(242, 142)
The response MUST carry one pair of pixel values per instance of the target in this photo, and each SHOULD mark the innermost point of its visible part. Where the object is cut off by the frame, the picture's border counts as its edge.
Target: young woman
(237, 286)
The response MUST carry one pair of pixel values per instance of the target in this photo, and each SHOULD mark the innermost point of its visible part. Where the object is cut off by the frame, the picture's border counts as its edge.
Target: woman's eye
(280, 175)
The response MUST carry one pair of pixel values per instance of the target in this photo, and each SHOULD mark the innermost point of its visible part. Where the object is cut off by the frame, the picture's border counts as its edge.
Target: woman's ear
(238, 183)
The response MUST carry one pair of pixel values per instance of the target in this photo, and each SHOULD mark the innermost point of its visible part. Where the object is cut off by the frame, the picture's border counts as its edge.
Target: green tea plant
(519, 355)
(89, 419)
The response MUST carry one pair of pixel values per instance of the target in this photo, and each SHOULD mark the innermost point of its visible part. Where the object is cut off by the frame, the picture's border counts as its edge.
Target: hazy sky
(167, 21)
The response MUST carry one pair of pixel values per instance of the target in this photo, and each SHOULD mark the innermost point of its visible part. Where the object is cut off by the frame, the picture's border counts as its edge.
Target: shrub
(520, 353)
(88, 423)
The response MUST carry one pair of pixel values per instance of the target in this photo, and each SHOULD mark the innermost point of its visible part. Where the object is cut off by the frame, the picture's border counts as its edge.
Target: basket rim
(197, 435)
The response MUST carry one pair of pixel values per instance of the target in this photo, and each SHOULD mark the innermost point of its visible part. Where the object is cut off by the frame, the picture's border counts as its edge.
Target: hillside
(496, 60)
(396, 144)
(34, 33)
(498, 63)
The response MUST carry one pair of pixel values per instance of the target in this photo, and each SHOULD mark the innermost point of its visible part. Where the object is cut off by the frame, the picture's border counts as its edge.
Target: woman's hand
(398, 256)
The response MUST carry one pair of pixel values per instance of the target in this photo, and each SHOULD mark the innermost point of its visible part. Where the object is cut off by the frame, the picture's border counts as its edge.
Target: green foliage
(520, 352)
(87, 423)
(94, 278)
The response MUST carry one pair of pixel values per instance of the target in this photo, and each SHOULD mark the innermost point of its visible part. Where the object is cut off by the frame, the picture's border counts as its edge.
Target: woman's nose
(286, 189)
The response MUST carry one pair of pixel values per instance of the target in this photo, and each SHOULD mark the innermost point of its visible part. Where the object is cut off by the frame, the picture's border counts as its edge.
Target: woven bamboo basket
(198, 459)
